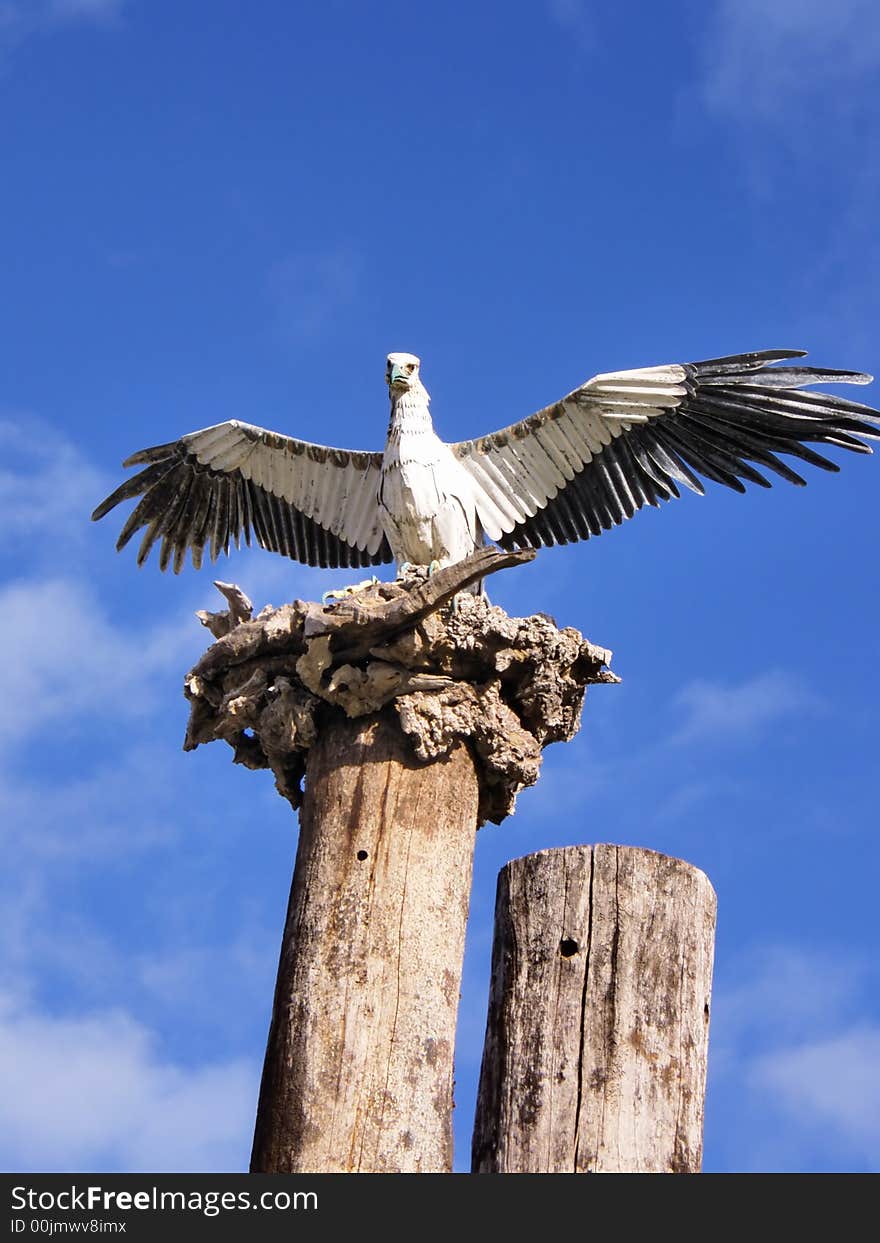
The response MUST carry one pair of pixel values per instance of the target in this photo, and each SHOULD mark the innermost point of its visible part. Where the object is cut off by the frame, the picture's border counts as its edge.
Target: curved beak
(398, 374)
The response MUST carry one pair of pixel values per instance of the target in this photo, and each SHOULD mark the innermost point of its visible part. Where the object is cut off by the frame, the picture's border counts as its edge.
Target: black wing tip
(751, 356)
(156, 453)
(110, 502)
(781, 355)
(758, 365)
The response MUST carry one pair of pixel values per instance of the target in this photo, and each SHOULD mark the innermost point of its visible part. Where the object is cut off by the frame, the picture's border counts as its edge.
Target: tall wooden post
(358, 1071)
(596, 1040)
(411, 724)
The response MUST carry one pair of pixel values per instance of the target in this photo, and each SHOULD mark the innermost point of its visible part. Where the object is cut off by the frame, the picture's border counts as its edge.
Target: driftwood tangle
(506, 686)
(596, 1040)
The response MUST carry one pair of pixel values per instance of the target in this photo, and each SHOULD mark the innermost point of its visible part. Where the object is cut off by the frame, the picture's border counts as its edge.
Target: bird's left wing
(631, 438)
(308, 502)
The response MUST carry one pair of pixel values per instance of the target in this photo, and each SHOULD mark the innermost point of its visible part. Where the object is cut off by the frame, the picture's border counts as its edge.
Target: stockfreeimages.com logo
(210, 1203)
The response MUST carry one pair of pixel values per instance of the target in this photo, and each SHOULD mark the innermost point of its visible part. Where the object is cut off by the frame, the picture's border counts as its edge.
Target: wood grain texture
(359, 1064)
(597, 1033)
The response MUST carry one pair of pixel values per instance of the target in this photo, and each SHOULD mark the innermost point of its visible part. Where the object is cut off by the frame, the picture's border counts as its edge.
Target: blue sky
(218, 211)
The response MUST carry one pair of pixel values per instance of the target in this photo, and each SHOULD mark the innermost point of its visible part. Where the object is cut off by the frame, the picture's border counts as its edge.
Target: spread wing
(308, 502)
(630, 439)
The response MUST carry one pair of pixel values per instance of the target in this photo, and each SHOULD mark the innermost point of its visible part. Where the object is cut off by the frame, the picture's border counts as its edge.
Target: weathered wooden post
(358, 1072)
(411, 724)
(596, 1040)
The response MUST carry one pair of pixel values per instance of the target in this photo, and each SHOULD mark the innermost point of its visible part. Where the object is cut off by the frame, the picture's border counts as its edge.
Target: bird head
(402, 374)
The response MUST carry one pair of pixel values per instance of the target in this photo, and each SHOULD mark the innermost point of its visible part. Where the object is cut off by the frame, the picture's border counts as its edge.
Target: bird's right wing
(308, 502)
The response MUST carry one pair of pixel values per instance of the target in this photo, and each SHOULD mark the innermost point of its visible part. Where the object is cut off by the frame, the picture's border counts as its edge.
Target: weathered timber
(358, 1070)
(241, 609)
(413, 714)
(596, 1040)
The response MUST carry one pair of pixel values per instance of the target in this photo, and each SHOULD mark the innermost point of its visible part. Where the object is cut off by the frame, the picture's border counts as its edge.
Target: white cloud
(92, 1092)
(20, 19)
(90, 777)
(65, 836)
(785, 995)
(91, 815)
(66, 658)
(142, 826)
(48, 488)
(764, 60)
(830, 1083)
(793, 84)
(796, 1053)
(184, 977)
(711, 711)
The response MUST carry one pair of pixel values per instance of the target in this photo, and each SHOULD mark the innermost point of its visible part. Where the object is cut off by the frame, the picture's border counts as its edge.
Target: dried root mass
(447, 669)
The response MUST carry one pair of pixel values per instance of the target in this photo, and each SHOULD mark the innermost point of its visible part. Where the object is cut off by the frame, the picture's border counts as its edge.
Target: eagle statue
(575, 469)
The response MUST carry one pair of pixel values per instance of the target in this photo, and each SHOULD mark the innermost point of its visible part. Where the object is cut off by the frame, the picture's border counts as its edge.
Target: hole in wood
(568, 948)
(362, 854)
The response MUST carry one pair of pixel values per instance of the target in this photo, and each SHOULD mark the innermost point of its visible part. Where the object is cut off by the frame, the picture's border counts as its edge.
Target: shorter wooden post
(597, 1034)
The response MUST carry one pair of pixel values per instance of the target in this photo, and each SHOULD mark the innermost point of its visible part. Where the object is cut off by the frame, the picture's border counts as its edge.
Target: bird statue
(573, 470)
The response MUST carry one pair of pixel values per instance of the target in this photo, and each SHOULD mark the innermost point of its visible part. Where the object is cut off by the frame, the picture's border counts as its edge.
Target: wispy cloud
(762, 61)
(84, 10)
(89, 816)
(795, 1047)
(784, 995)
(792, 86)
(69, 832)
(48, 487)
(312, 289)
(683, 800)
(66, 658)
(676, 765)
(140, 822)
(20, 19)
(830, 1083)
(114, 1101)
(711, 711)
(97, 693)
(574, 19)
